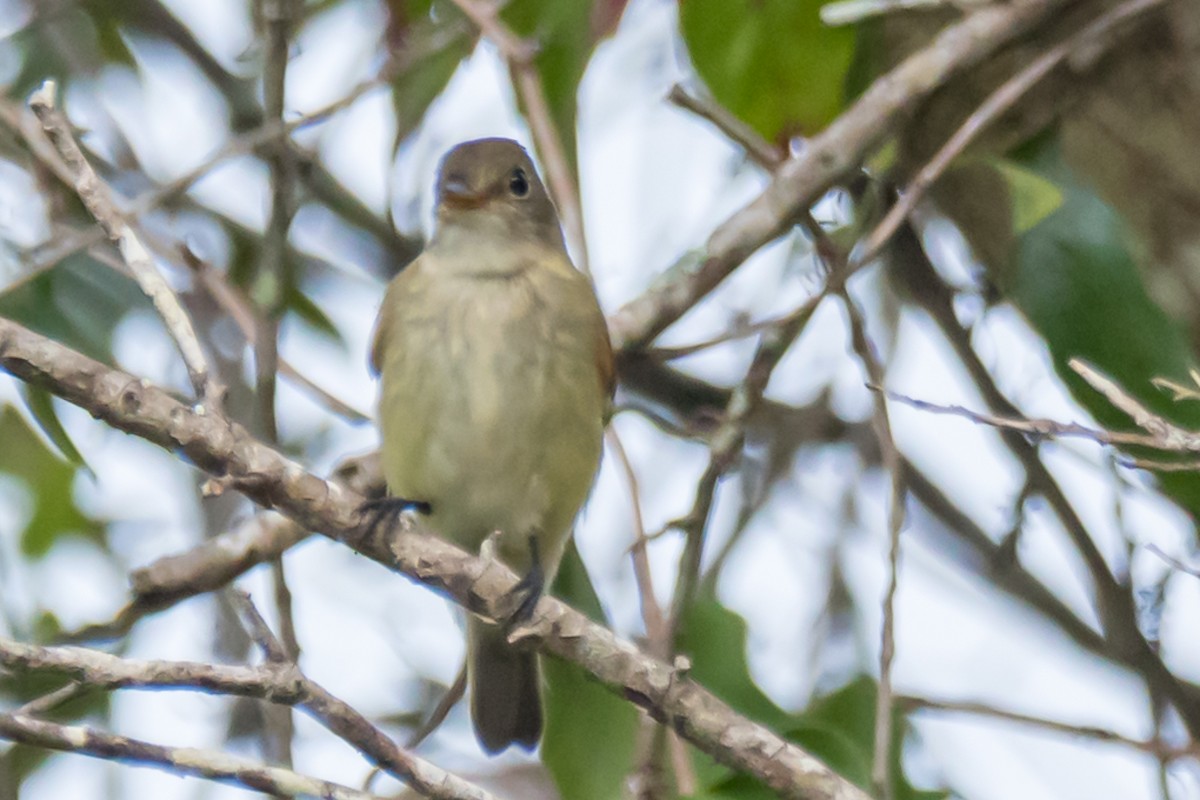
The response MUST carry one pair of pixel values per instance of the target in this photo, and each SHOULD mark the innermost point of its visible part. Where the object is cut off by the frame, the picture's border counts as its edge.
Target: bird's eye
(518, 184)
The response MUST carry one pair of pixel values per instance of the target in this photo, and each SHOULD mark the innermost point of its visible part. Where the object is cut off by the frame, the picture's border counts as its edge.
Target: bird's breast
(491, 406)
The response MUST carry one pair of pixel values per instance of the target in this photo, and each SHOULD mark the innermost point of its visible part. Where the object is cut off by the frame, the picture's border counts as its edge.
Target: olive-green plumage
(496, 374)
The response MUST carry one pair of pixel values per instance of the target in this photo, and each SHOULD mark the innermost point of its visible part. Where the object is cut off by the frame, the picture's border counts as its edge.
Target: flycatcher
(496, 380)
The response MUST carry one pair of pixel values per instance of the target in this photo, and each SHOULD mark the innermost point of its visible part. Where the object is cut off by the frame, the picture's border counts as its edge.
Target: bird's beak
(456, 193)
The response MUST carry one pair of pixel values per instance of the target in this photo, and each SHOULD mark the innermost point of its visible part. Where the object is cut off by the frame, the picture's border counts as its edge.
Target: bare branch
(997, 103)
(208, 764)
(827, 158)
(216, 562)
(246, 318)
(98, 198)
(893, 463)
(1169, 436)
(274, 277)
(520, 55)
(222, 448)
(276, 682)
(760, 150)
(851, 12)
(1151, 746)
(1038, 428)
(1123, 638)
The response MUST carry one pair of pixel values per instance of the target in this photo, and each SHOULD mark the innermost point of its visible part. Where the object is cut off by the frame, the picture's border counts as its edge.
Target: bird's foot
(525, 595)
(380, 510)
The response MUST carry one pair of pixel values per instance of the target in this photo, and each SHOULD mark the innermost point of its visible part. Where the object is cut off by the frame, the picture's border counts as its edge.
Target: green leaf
(40, 404)
(413, 90)
(574, 586)
(838, 728)
(715, 639)
(771, 62)
(590, 732)
(1079, 286)
(1033, 197)
(79, 303)
(70, 43)
(977, 198)
(737, 787)
(49, 480)
(309, 312)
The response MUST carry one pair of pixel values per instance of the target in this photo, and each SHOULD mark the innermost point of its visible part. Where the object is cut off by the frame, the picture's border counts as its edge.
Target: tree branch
(222, 448)
(881, 767)
(826, 158)
(98, 198)
(996, 104)
(209, 764)
(276, 682)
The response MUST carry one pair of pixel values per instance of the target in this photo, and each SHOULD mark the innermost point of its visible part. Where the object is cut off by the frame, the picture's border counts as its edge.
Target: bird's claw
(524, 596)
(385, 509)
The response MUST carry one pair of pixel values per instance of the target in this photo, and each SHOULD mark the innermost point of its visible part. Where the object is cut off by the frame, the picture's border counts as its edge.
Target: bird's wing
(379, 337)
(391, 299)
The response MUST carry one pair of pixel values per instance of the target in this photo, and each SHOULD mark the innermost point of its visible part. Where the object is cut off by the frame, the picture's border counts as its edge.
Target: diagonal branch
(222, 448)
(1114, 604)
(996, 104)
(826, 159)
(98, 198)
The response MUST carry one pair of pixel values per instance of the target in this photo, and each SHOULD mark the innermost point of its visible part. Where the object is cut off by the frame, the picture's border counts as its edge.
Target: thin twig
(827, 158)
(520, 56)
(881, 770)
(274, 278)
(216, 562)
(447, 702)
(724, 448)
(99, 200)
(52, 700)
(1044, 428)
(648, 773)
(652, 616)
(276, 681)
(1154, 465)
(1124, 641)
(758, 148)
(1173, 562)
(851, 12)
(1151, 746)
(996, 104)
(268, 133)
(243, 314)
(210, 764)
(1171, 436)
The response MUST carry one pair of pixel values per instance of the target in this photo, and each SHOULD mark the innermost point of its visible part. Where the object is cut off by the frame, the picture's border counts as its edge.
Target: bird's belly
(501, 431)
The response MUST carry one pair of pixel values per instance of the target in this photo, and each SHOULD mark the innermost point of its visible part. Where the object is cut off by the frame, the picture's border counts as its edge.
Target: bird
(496, 382)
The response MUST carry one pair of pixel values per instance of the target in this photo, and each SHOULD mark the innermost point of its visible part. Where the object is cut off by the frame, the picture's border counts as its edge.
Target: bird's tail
(506, 705)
